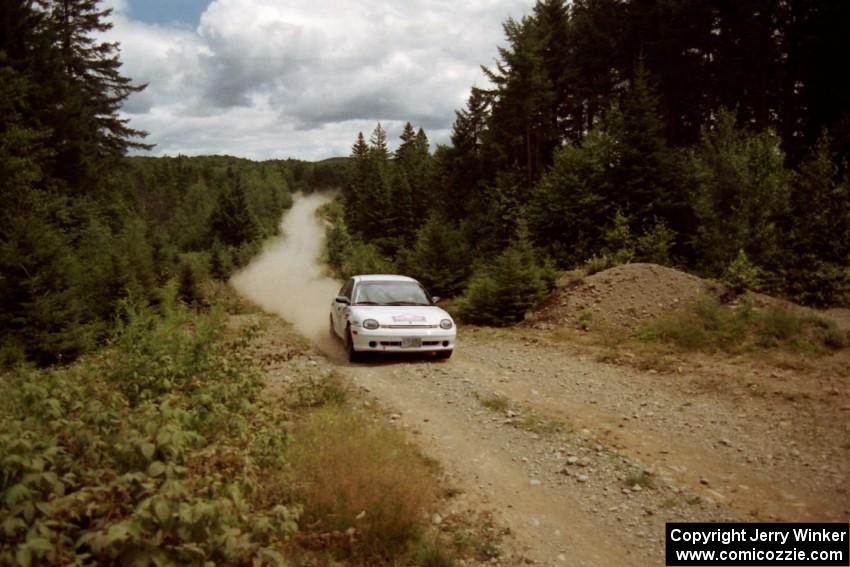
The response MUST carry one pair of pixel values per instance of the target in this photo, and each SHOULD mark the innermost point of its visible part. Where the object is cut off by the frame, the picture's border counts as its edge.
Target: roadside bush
(501, 293)
(742, 274)
(89, 477)
(708, 325)
(704, 325)
(356, 474)
(598, 263)
(221, 261)
(619, 241)
(161, 352)
(654, 245)
(189, 280)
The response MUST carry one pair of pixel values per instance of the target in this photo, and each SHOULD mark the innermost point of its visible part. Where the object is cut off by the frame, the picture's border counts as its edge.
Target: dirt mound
(626, 296)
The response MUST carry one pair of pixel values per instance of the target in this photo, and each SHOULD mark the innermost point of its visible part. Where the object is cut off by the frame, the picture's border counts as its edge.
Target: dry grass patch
(541, 424)
(522, 417)
(643, 479)
(495, 402)
(710, 326)
(352, 473)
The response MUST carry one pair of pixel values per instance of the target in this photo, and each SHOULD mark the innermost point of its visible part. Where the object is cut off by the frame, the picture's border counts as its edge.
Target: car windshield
(390, 293)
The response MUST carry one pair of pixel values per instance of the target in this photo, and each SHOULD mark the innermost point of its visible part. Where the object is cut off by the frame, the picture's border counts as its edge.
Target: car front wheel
(444, 354)
(353, 355)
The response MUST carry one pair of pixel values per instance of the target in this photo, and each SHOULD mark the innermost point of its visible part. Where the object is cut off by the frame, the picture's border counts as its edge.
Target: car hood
(401, 315)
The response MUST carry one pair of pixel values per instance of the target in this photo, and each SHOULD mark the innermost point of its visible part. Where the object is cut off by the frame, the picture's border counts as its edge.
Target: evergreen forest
(709, 136)
(84, 227)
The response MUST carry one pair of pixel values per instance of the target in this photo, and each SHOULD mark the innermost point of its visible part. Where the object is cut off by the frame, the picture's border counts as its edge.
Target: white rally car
(383, 313)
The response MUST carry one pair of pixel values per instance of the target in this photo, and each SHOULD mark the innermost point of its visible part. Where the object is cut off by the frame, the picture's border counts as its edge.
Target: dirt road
(585, 461)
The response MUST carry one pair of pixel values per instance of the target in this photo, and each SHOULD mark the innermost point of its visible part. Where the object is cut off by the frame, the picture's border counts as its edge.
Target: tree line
(83, 227)
(704, 135)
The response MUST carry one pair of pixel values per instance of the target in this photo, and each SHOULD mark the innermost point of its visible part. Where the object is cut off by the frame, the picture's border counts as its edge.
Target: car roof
(382, 278)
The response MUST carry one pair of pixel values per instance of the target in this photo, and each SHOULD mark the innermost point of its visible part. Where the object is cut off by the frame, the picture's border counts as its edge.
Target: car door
(340, 310)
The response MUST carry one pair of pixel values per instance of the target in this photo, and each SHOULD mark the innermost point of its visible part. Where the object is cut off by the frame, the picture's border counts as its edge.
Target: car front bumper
(403, 340)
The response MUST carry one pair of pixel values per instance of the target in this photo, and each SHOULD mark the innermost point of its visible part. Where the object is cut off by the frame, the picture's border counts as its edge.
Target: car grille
(409, 326)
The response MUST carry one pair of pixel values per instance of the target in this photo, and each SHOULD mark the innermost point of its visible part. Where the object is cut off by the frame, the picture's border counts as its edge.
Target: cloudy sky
(299, 78)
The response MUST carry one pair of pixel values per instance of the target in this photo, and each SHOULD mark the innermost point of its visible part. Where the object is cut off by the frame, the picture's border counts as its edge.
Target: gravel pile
(626, 296)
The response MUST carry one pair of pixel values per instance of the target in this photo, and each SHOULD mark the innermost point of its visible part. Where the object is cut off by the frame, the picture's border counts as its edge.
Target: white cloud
(264, 78)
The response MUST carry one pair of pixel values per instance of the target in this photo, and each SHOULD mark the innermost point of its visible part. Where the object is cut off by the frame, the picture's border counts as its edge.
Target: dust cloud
(288, 278)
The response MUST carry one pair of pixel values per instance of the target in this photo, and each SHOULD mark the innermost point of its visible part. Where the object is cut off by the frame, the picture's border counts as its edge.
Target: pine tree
(462, 167)
(500, 294)
(405, 175)
(84, 74)
(552, 17)
(373, 218)
(378, 143)
(44, 304)
(818, 269)
(406, 152)
(521, 126)
(741, 193)
(440, 258)
(355, 190)
(572, 204)
(232, 221)
(643, 171)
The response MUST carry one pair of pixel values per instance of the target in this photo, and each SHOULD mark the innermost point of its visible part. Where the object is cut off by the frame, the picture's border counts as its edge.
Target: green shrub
(495, 402)
(337, 238)
(161, 352)
(704, 325)
(501, 293)
(365, 259)
(619, 243)
(221, 261)
(599, 263)
(189, 282)
(708, 325)
(654, 245)
(433, 555)
(742, 274)
(780, 325)
(87, 477)
(440, 259)
(812, 281)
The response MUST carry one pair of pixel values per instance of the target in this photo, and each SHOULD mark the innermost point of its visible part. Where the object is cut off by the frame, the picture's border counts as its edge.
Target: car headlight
(370, 324)
(446, 324)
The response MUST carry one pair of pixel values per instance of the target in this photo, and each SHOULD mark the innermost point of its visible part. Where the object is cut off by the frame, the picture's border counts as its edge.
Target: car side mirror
(435, 299)
(342, 299)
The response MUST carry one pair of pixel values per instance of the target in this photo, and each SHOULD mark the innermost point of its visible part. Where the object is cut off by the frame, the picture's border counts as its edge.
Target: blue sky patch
(183, 12)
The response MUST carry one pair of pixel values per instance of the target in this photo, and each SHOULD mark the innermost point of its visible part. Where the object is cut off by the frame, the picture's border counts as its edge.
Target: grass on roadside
(495, 402)
(540, 424)
(523, 418)
(708, 325)
(362, 478)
